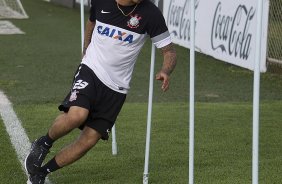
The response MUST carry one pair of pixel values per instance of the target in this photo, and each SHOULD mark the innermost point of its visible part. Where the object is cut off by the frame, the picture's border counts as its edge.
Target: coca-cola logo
(177, 18)
(230, 34)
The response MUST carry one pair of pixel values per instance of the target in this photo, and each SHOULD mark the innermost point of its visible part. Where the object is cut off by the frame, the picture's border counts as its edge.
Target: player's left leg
(87, 139)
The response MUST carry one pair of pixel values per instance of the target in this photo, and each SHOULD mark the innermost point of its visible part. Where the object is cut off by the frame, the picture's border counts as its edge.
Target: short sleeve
(157, 30)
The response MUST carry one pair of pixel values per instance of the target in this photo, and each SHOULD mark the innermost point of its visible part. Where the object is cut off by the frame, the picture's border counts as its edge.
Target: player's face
(136, 1)
(128, 2)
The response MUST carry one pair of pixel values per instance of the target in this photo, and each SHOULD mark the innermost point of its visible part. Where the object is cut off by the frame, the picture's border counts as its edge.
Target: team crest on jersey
(73, 95)
(134, 21)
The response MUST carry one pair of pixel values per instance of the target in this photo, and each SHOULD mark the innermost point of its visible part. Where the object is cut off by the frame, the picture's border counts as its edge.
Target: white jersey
(117, 39)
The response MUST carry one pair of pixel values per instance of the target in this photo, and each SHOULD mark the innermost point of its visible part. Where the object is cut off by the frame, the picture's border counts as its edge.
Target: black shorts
(103, 103)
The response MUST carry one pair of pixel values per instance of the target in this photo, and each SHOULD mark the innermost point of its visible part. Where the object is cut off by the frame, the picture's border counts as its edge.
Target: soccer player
(114, 35)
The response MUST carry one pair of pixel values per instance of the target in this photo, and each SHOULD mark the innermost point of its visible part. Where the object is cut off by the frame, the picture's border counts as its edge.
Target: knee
(88, 138)
(76, 116)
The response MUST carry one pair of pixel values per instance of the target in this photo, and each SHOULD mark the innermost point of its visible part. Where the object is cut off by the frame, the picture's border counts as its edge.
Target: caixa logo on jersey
(115, 34)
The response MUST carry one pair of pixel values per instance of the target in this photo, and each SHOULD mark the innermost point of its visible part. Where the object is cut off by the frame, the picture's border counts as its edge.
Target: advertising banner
(225, 29)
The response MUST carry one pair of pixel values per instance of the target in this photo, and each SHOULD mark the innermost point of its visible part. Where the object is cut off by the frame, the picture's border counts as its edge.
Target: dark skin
(169, 64)
(128, 2)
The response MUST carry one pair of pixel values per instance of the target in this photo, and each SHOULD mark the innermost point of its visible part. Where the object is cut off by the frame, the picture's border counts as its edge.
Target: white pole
(82, 22)
(256, 95)
(149, 117)
(192, 94)
(114, 142)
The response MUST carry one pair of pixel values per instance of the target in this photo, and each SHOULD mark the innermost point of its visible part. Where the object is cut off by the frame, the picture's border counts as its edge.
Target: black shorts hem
(82, 102)
(100, 125)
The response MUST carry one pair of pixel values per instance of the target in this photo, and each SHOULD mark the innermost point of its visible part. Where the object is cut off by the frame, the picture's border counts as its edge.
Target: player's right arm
(88, 34)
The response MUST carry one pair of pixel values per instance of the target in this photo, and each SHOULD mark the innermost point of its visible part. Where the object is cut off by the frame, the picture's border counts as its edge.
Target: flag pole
(256, 92)
(114, 142)
(149, 116)
(192, 94)
(82, 22)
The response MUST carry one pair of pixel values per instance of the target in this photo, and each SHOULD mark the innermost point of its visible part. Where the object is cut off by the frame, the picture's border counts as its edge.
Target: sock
(46, 141)
(49, 140)
(51, 166)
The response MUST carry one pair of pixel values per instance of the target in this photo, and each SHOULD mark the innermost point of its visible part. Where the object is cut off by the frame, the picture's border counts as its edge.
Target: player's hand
(164, 77)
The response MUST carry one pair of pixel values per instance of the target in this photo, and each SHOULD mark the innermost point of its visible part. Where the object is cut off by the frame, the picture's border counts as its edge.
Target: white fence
(274, 32)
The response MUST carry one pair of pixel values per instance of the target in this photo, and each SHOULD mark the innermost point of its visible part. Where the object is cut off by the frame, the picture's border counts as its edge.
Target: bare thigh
(66, 122)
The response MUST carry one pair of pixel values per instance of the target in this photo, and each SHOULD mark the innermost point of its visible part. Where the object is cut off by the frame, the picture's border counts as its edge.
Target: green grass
(11, 171)
(36, 72)
(223, 140)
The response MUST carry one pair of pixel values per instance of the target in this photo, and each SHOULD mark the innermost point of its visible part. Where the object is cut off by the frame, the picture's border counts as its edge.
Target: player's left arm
(89, 28)
(169, 63)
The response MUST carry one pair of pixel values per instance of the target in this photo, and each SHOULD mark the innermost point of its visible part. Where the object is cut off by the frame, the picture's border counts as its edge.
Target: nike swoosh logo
(102, 11)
